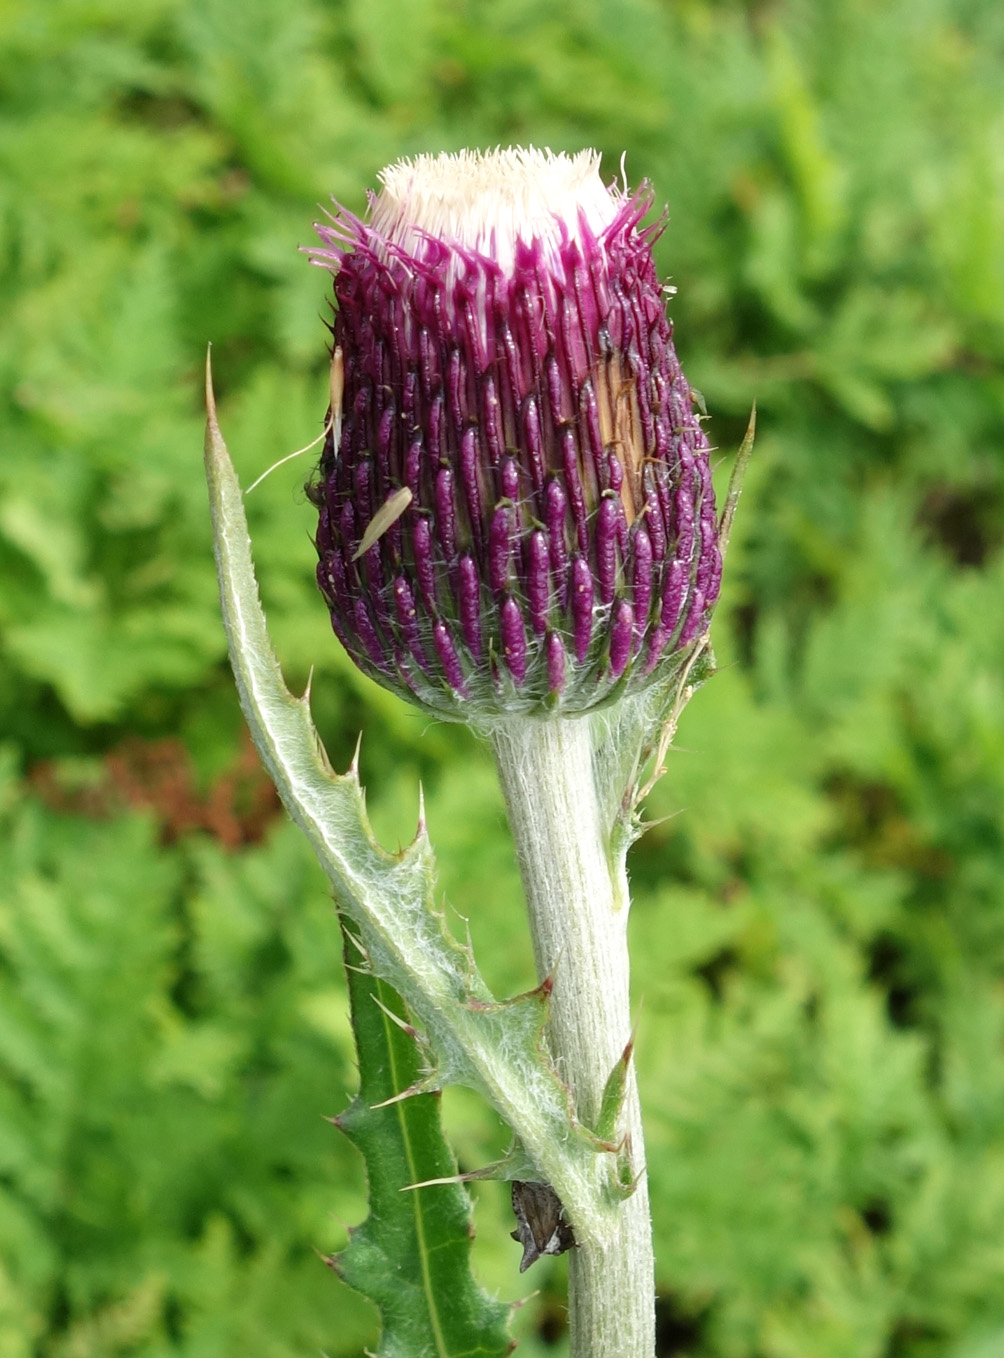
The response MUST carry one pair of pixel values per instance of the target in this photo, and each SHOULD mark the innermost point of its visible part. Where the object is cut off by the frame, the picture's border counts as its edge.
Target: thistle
(516, 513)
(516, 529)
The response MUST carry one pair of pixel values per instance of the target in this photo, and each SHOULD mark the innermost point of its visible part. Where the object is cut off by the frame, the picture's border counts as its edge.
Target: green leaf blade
(411, 1256)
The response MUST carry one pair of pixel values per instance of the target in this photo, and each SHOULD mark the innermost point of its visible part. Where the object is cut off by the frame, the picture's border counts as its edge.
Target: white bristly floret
(489, 200)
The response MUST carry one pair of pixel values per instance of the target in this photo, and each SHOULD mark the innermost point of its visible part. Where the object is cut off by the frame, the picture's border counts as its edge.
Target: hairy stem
(578, 907)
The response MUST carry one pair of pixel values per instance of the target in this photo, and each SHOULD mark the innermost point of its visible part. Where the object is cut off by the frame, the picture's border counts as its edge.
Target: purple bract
(507, 358)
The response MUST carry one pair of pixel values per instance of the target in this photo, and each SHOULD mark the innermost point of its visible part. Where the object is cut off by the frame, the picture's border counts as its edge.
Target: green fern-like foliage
(165, 1018)
(817, 929)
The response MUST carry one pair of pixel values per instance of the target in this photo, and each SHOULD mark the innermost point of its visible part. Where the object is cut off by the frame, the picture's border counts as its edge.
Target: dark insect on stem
(540, 1225)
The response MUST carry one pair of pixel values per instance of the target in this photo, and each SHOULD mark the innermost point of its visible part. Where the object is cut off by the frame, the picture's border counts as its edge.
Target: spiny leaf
(493, 1048)
(613, 1097)
(736, 483)
(411, 1256)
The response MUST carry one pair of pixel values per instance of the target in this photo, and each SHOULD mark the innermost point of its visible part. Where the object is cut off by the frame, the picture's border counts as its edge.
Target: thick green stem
(578, 906)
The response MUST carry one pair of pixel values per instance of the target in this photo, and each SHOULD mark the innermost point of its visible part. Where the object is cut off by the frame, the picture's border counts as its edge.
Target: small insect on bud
(516, 513)
(540, 1226)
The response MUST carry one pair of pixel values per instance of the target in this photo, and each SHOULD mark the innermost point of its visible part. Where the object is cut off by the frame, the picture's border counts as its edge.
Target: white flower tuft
(488, 200)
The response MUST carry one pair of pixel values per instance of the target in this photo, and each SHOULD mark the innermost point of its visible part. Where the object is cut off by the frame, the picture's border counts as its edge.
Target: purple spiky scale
(621, 635)
(513, 635)
(446, 514)
(561, 537)
(656, 525)
(555, 516)
(509, 479)
(499, 535)
(470, 480)
(641, 574)
(556, 654)
(533, 441)
(368, 636)
(574, 487)
(674, 594)
(469, 604)
(423, 555)
(605, 535)
(695, 618)
(413, 464)
(583, 594)
(538, 589)
(407, 614)
(448, 657)
(491, 420)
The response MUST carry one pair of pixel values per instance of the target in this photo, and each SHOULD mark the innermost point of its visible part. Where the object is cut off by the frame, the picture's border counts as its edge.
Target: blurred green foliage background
(819, 932)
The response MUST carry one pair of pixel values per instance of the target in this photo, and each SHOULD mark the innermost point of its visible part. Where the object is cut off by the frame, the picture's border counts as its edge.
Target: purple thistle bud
(508, 360)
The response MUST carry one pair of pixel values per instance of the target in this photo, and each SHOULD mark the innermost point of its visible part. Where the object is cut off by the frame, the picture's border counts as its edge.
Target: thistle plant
(516, 530)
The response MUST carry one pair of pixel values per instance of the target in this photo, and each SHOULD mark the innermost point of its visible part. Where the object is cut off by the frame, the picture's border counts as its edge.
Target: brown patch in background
(157, 776)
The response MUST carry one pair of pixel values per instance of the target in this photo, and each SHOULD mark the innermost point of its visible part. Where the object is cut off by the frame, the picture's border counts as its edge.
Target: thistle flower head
(516, 512)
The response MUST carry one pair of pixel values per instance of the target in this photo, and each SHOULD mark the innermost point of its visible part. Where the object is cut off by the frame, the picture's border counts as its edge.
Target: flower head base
(516, 512)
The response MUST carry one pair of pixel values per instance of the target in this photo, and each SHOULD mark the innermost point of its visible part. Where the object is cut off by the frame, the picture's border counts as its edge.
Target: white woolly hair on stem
(578, 904)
